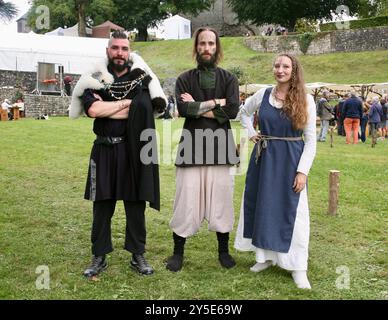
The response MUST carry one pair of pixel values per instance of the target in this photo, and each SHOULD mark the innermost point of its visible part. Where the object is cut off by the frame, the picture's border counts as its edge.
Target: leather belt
(109, 140)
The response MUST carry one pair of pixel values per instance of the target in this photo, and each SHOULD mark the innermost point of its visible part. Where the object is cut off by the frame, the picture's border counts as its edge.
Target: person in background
(68, 80)
(325, 114)
(382, 125)
(364, 119)
(375, 114)
(20, 104)
(352, 116)
(339, 115)
(6, 105)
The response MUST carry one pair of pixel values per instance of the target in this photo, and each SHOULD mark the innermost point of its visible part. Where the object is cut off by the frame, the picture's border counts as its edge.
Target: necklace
(276, 95)
(121, 89)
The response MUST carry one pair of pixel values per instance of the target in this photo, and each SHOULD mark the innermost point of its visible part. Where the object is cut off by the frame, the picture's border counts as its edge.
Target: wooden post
(333, 191)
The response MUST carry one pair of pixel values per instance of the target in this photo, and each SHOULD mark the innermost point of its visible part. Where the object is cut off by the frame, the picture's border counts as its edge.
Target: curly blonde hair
(295, 104)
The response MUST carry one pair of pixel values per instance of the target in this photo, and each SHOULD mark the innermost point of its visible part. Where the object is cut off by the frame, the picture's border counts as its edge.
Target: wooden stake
(333, 191)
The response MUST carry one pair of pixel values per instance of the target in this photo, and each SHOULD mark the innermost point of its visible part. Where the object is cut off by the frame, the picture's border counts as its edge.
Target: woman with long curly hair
(274, 216)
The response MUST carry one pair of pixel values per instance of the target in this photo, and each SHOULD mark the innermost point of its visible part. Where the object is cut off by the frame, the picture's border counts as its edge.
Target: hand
(97, 96)
(255, 138)
(186, 97)
(126, 102)
(208, 114)
(299, 182)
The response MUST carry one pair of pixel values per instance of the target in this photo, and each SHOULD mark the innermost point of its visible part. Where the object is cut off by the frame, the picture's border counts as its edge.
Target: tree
(143, 14)
(81, 6)
(7, 11)
(130, 14)
(66, 13)
(286, 12)
(367, 8)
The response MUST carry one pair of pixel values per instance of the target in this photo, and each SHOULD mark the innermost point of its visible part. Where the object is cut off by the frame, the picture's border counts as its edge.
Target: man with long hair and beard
(207, 97)
(122, 96)
(274, 215)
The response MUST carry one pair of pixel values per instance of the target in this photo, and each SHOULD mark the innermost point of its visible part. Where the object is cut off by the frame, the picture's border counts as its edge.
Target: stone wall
(24, 80)
(367, 39)
(36, 105)
(169, 87)
(7, 93)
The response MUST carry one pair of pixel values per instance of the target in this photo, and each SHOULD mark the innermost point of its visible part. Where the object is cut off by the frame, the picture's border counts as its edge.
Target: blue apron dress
(269, 201)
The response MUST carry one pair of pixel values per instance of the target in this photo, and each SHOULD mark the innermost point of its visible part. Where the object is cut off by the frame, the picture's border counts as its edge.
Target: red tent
(103, 30)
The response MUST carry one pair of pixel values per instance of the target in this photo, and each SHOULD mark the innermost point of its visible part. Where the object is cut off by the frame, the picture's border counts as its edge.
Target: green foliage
(286, 12)
(368, 8)
(142, 14)
(264, 42)
(7, 10)
(65, 12)
(358, 24)
(304, 41)
(45, 221)
(239, 73)
(18, 95)
(285, 43)
(306, 25)
(101, 10)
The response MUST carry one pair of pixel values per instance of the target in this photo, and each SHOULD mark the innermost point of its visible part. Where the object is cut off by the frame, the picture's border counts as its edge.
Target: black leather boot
(224, 257)
(175, 262)
(97, 265)
(140, 264)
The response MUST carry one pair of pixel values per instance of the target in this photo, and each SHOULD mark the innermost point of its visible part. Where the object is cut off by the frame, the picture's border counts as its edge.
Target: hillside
(169, 58)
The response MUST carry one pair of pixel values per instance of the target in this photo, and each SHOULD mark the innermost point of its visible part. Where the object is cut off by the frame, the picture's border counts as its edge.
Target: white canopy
(56, 32)
(73, 31)
(23, 51)
(316, 87)
(177, 27)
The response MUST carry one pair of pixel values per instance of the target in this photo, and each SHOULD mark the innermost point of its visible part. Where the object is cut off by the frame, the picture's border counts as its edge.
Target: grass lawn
(169, 58)
(45, 221)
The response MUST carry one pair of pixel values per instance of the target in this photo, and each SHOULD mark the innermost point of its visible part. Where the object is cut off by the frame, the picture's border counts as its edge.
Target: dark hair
(118, 34)
(218, 54)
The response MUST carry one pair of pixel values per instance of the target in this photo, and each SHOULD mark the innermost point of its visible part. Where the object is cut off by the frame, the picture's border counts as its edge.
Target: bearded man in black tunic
(122, 96)
(207, 96)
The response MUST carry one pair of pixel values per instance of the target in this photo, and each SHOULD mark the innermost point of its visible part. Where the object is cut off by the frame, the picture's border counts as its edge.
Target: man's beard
(207, 63)
(117, 67)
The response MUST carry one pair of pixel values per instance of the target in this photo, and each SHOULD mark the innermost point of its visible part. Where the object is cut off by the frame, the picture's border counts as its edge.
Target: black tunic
(116, 172)
(221, 150)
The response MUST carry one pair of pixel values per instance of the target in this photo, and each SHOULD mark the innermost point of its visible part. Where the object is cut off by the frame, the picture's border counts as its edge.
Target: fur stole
(99, 76)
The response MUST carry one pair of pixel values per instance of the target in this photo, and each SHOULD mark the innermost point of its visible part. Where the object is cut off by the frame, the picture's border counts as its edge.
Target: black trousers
(135, 231)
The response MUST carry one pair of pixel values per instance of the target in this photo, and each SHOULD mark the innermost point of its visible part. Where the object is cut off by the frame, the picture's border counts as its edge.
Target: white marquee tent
(177, 27)
(22, 52)
(56, 32)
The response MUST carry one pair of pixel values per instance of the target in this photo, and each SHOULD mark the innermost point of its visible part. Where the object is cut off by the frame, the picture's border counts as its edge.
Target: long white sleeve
(251, 105)
(310, 140)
